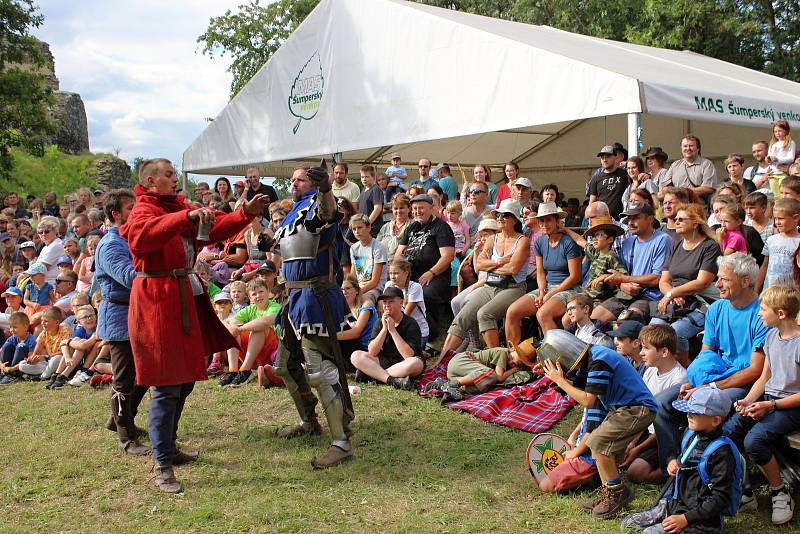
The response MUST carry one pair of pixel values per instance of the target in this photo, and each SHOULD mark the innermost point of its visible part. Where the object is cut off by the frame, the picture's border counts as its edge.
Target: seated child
(16, 349)
(238, 291)
(578, 468)
(478, 372)
(254, 328)
(13, 296)
(579, 311)
(77, 300)
(79, 352)
(357, 333)
(38, 294)
(620, 408)
(662, 372)
(693, 504)
(597, 242)
(729, 234)
(203, 271)
(772, 407)
(48, 342)
(626, 341)
(223, 306)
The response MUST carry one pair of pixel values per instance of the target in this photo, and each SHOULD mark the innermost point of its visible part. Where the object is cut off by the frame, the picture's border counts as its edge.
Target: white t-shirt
(414, 294)
(780, 248)
(657, 383)
(364, 258)
(781, 153)
(49, 255)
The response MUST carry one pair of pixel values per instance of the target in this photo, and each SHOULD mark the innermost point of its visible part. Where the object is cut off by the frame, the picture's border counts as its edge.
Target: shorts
(386, 362)
(650, 455)
(616, 306)
(617, 430)
(267, 354)
(103, 360)
(563, 296)
(572, 474)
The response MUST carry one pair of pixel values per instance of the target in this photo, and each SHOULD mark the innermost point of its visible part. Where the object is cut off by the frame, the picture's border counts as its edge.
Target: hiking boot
(598, 495)
(439, 383)
(138, 431)
(782, 508)
(59, 382)
(133, 448)
(613, 500)
(164, 478)
(452, 394)
(405, 384)
(748, 503)
(185, 457)
(334, 456)
(226, 379)
(241, 378)
(301, 429)
(215, 369)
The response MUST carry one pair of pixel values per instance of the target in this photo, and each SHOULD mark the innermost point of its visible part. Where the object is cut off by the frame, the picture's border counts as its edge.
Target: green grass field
(418, 467)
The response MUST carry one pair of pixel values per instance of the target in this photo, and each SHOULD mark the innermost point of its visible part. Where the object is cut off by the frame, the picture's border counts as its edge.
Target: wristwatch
(774, 405)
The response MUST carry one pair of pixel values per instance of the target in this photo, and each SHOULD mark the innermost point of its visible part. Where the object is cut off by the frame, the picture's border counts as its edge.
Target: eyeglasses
(85, 317)
(680, 219)
(43, 232)
(476, 191)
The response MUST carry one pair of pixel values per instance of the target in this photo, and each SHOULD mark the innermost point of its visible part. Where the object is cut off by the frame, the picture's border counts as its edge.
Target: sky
(146, 87)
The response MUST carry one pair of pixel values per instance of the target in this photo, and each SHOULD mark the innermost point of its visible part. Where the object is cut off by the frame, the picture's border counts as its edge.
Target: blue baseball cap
(36, 268)
(12, 292)
(630, 329)
(705, 401)
(64, 259)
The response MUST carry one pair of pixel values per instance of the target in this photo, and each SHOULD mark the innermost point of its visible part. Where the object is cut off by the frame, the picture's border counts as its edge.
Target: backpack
(737, 484)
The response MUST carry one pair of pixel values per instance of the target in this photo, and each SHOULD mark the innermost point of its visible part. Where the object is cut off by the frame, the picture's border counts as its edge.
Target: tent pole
(635, 142)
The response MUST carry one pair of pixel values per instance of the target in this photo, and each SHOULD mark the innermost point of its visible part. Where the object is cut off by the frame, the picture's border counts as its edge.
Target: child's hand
(600, 280)
(553, 371)
(675, 523)
(673, 467)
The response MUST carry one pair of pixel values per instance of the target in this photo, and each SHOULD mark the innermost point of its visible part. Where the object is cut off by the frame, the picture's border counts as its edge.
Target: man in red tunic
(172, 324)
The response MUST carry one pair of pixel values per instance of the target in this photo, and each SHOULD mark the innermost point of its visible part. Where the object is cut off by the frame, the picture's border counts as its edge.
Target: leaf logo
(305, 95)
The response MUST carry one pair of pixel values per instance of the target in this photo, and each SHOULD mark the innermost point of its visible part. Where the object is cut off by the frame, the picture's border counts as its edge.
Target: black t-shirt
(409, 332)
(263, 189)
(684, 265)
(367, 200)
(610, 188)
(422, 244)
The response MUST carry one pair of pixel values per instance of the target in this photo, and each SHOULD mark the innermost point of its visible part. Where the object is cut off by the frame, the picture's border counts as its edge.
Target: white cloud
(146, 88)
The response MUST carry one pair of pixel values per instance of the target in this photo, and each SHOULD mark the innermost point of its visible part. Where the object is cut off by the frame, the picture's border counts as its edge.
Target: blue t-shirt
(39, 295)
(450, 187)
(366, 334)
(615, 382)
(649, 257)
(554, 259)
(399, 170)
(735, 332)
(13, 341)
(80, 332)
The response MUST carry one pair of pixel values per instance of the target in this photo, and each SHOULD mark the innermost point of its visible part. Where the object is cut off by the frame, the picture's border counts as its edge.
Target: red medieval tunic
(165, 355)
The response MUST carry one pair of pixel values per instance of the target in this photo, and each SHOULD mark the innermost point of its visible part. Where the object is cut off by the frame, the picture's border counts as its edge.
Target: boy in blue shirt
(619, 407)
(397, 175)
(38, 293)
(16, 348)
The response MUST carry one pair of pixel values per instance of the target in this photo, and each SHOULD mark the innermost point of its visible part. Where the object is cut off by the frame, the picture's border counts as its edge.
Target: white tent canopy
(364, 78)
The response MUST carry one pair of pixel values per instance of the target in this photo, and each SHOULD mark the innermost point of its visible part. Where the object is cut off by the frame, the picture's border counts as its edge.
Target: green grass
(418, 467)
(55, 171)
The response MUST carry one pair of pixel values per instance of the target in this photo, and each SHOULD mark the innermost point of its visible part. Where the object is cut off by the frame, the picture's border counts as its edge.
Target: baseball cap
(607, 150)
(268, 266)
(222, 296)
(391, 292)
(523, 182)
(240, 183)
(12, 291)
(705, 401)
(99, 191)
(639, 209)
(4, 236)
(64, 260)
(395, 156)
(36, 268)
(422, 198)
(28, 244)
(628, 329)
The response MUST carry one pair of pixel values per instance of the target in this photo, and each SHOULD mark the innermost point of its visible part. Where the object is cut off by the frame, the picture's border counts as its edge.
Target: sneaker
(452, 394)
(215, 369)
(52, 381)
(80, 378)
(613, 499)
(782, 508)
(241, 378)
(59, 382)
(226, 379)
(96, 381)
(439, 383)
(406, 383)
(748, 503)
(7, 379)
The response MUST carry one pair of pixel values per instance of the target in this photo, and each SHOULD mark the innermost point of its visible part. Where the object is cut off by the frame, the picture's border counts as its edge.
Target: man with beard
(609, 183)
(255, 187)
(313, 312)
(342, 187)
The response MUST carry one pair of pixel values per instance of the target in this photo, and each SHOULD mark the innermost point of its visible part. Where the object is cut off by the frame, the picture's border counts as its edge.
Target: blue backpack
(737, 484)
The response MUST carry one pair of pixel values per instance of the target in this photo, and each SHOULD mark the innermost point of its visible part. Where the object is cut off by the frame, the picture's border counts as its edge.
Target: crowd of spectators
(430, 265)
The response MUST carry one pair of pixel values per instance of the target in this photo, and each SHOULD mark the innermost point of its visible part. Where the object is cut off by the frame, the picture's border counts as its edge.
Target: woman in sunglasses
(53, 247)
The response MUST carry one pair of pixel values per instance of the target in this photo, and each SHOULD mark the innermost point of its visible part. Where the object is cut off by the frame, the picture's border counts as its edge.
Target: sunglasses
(43, 232)
(504, 216)
(476, 191)
(680, 219)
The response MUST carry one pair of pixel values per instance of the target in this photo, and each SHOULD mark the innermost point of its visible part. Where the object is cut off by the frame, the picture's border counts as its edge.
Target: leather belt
(178, 274)
(117, 301)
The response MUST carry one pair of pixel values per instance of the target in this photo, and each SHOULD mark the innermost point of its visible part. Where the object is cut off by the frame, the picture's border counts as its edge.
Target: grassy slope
(418, 467)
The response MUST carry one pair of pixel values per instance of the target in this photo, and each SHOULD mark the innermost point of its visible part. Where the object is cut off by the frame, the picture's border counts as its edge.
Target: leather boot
(334, 456)
(185, 456)
(164, 478)
(133, 448)
(310, 428)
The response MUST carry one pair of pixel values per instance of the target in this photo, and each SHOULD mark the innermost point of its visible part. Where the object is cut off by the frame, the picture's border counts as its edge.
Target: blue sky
(137, 66)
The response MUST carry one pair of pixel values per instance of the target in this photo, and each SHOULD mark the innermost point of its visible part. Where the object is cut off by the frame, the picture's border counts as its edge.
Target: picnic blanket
(533, 407)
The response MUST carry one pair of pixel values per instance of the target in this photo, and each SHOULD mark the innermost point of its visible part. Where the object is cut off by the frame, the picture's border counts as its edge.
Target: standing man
(609, 183)
(172, 325)
(114, 274)
(760, 172)
(424, 180)
(693, 171)
(311, 248)
(255, 187)
(447, 182)
(342, 187)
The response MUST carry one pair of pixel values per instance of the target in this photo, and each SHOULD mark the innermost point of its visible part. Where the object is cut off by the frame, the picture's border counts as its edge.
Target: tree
(23, 95)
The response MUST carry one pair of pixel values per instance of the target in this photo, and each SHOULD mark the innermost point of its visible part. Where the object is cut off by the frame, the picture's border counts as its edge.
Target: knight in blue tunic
(314, 309)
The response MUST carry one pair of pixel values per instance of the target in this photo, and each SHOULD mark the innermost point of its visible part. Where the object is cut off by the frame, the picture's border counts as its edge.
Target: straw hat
(488, 224)
(606, 224)
(549, 208)
(526, 351)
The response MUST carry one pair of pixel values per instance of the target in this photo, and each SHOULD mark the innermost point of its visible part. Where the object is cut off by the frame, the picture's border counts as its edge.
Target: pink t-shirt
(460, 230)
(735, 240)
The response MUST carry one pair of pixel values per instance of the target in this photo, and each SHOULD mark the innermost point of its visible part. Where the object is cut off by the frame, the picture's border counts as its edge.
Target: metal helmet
(562, 347)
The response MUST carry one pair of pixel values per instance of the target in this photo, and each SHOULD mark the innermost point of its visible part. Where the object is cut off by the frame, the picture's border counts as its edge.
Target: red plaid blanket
(533, 407)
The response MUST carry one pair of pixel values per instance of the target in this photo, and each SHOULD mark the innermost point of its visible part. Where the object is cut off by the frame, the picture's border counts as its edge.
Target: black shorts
(616, 306)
